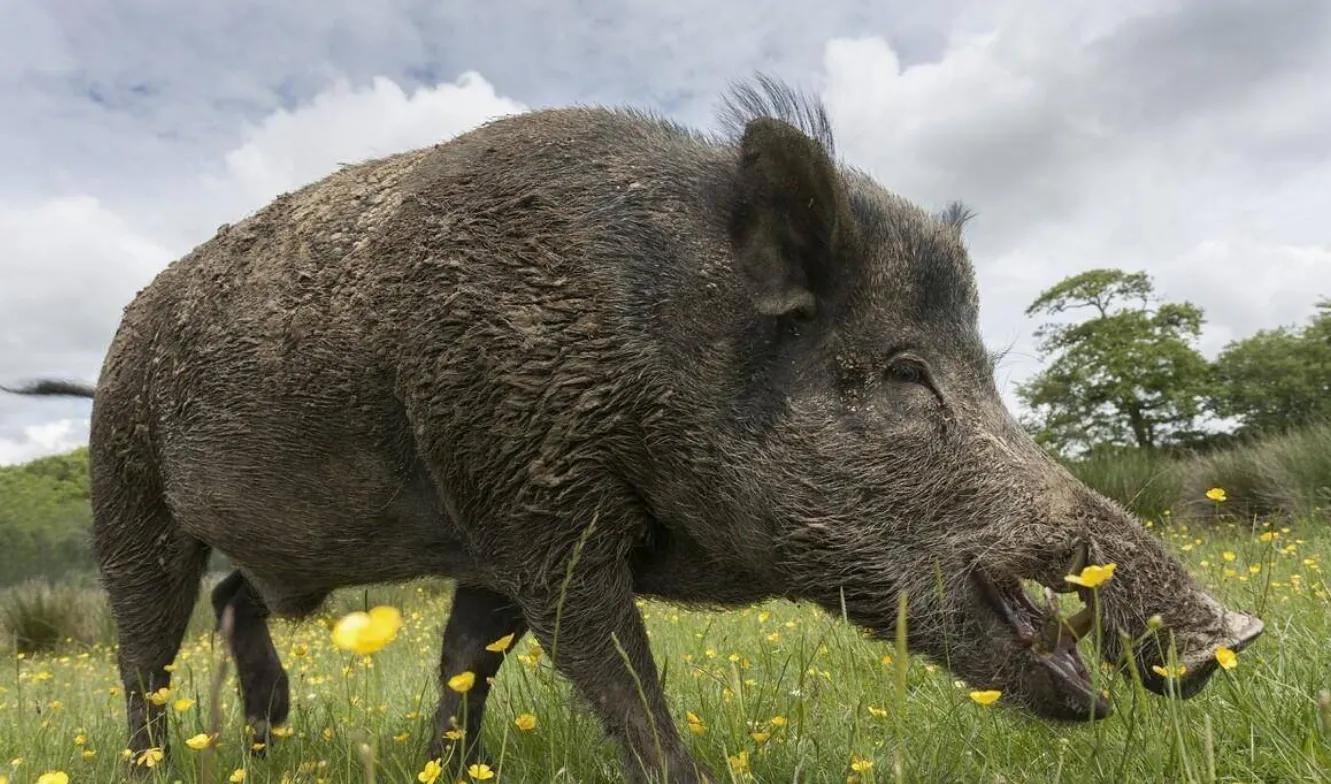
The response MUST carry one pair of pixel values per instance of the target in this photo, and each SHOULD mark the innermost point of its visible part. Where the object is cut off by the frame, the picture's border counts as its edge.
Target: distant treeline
(1123, 369)
(45, 517)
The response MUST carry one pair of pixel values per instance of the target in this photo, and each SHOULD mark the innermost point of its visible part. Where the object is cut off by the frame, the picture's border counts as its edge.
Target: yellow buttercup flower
(160, 697)
(150, 757)
(860, 764)
(986, 697)
(500, 645)
(53, 777)
(740, 762)
(1092, 576)
(365, 633)
(759, 738)
(696, 725)
(778, 721)
(237, 776)
(199, 742)
(480, 771)
(433, 769)
(525, 722)
(1226, 658)
(183, 704)
(1169, 672)
(462, 682)
(1216, 494)
(1228, 555)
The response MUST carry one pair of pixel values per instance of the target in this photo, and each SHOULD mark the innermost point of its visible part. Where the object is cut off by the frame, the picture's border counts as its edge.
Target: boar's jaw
(1055, 681)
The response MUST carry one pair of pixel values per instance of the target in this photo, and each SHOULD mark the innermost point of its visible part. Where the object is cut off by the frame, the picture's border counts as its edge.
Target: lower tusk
(1080, 623)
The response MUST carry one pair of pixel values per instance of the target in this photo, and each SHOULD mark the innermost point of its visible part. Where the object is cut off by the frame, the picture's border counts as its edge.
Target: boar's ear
(788, 210)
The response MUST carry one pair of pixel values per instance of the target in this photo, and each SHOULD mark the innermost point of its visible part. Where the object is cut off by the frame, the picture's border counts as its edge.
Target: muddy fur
(716, 369)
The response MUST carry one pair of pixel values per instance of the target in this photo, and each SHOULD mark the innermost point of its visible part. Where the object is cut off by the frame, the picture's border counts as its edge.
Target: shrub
(37, 616)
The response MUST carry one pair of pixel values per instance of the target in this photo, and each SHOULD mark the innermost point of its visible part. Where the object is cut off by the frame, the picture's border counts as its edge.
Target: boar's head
(869, 443)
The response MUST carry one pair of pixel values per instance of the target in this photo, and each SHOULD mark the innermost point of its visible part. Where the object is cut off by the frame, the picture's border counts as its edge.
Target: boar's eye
(907, 371)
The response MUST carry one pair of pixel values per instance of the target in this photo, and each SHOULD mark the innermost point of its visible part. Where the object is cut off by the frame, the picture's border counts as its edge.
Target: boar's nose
(1235, 631)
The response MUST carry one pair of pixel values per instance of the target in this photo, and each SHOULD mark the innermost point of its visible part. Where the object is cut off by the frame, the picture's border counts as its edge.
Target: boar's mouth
(1056, 682)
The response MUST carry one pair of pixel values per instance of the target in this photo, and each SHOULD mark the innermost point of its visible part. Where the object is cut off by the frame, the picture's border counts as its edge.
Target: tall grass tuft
(1147, 482)
(37, 616)
(1286, 475)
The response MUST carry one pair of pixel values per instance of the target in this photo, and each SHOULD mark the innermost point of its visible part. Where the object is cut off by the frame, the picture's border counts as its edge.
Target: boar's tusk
(1080, 623)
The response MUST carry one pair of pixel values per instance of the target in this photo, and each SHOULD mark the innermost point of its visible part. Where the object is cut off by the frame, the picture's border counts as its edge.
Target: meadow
(770, 693)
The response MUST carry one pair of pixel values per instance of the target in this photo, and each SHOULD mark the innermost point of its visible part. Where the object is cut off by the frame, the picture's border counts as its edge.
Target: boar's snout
(1196, 650)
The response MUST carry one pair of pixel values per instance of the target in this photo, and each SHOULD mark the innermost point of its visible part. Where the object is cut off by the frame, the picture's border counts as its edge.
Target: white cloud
(345, 124)
(1101, 140)
(69, 267)
(72, 263)
(48, 438)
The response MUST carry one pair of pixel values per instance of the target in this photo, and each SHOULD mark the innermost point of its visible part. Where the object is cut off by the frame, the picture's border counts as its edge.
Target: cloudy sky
(1189, 139)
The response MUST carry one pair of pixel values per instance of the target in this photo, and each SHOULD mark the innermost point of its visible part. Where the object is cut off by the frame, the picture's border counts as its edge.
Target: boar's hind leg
(151, 572)
(263, 682)
(479, 618)
(601, 646)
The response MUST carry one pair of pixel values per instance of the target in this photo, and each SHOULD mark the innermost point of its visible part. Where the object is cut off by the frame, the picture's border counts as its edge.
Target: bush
(1284, 475)
(1288, 475)
(1145, 481)
(37, 616)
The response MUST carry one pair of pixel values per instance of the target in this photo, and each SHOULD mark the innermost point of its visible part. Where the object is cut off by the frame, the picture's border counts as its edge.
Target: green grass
(1287, 474)
(735, 671)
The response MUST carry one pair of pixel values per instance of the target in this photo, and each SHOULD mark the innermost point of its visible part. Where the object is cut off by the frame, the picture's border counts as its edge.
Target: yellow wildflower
(1216, 494)
(759, 738)
(877, 713)
(53, 777)
(366, 633)
(432, 771)
(525, 722)
(150, 757)
(199, 742)
(160, 697)
(778, 721)
(696, 725)
(500, 645)
(986, 697)
(1228, 555)
(740, 762)
(1092, 576)
(183, 704)
(480, 771)
(1169, 672)
(285, 731)
(237, 776)
(462, 682)
(860, 764)
(1226, 658)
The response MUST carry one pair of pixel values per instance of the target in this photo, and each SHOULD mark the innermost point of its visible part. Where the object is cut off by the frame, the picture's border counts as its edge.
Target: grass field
(772, 693)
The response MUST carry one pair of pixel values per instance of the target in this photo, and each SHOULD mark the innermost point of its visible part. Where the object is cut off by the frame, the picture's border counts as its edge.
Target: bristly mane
(765, 96)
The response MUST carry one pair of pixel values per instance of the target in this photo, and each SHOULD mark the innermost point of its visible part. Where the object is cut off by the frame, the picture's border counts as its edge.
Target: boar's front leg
(478, 619)
(594, 633)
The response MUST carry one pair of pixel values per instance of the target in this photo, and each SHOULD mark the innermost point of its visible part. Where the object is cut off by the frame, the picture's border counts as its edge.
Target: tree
(1278, 378)
(1127, 375)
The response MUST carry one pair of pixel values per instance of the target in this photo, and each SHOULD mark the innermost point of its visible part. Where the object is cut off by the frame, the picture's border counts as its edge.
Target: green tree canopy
(1278, 378)
(1128, 374)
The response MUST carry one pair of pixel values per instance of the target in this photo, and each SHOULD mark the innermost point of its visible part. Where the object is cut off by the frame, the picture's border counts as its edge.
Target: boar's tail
(54, 388)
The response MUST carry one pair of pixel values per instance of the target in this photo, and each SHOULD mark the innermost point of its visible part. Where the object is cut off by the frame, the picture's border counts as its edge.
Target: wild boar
(581, 355)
